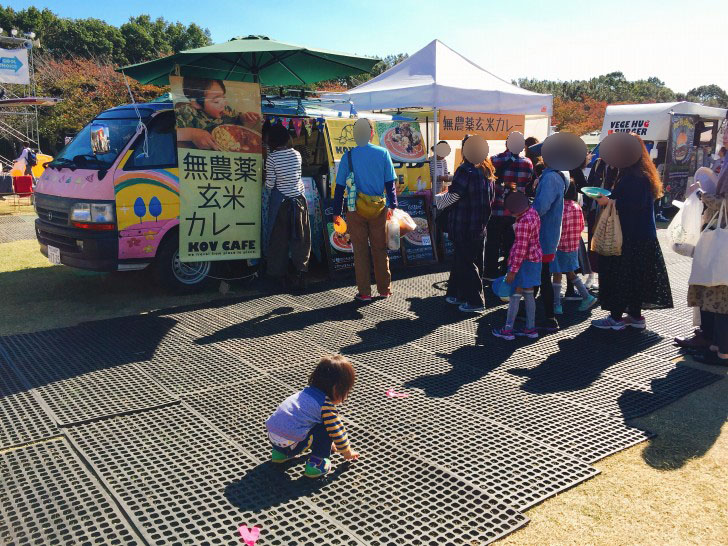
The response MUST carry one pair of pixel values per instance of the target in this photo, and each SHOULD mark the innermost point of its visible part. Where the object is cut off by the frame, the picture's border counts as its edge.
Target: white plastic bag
(393, 236)
(710, 260)
(405, 221)
(684, 230)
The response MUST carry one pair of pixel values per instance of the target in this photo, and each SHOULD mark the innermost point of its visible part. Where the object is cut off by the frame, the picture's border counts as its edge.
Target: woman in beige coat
(713, 304)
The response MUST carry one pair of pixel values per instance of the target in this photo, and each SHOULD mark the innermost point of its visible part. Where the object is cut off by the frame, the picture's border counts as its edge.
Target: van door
(146, 186)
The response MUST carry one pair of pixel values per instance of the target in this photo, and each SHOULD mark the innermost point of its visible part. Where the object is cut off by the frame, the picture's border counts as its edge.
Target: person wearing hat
(288, 223)
(524, 266)
(468, 203)
(374, 178)
(637, 279)
(560, 152)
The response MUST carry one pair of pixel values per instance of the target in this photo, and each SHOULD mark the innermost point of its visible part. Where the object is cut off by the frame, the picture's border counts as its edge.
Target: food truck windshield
(122, 125)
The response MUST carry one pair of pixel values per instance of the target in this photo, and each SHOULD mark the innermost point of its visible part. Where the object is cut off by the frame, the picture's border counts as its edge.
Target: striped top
(334, 426)
(283, 170)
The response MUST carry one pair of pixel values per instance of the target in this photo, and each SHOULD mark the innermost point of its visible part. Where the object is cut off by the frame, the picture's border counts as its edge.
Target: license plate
(54, 255)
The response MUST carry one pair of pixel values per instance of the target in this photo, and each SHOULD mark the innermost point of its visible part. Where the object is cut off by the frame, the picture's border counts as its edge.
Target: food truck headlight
(102, 212)
(93, 212)
(81, 212)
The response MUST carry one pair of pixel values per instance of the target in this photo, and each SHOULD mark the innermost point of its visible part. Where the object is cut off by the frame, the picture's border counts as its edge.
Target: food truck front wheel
(175, 275)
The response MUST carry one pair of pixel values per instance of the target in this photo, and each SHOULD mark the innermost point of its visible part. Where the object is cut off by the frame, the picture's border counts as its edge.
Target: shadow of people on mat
(687, 428)
(469, 364)
(282, 320)
(580, 360)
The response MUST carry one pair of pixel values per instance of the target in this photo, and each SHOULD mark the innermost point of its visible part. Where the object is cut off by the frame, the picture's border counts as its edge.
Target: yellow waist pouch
(370, 206)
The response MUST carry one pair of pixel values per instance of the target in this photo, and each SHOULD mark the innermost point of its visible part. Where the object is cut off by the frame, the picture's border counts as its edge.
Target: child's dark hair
(194, 88)
(335, 376)
(571, 193)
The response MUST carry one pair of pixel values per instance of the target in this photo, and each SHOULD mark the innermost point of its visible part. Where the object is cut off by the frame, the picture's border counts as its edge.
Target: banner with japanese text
(403, 140)
(219, 149)
(455, 125)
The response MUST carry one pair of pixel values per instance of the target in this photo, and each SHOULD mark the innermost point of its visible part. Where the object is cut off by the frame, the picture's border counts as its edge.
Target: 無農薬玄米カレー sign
(219, 150)
(455, 125)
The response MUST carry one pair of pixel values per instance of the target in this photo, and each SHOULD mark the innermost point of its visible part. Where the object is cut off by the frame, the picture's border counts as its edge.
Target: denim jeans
(320, 445)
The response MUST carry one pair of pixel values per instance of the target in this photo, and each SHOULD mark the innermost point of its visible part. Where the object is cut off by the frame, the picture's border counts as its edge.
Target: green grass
(36, 295)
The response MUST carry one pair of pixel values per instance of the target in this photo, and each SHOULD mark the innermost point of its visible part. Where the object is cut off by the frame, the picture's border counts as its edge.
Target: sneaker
(639, 323)
(558, 310)
(452, 300)
(571, 296)
(530, 333)
(467, 308)
(362, 297)
(502, 333)
(386, 294)
(587, 303)
(316, 468)
(609, 323)
(549, 325)
(279, 457)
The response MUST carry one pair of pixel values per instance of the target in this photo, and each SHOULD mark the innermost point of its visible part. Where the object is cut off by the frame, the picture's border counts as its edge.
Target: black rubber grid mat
(81, 376)
(504, 463)
(22, 419)
(15, 228)
(388, 496)
(48, 496)
(182, 482)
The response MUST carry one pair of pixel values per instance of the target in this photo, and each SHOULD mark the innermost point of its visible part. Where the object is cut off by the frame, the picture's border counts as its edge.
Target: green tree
(711, 95)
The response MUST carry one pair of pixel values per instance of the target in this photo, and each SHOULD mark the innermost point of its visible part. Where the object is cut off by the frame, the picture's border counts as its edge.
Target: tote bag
(607, 238)
(710, 259)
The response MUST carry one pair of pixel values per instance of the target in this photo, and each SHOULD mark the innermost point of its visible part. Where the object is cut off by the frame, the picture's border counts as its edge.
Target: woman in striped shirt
(288, 222)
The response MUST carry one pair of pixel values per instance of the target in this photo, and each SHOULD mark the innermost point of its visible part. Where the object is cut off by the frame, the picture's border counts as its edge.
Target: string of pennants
(297, 124)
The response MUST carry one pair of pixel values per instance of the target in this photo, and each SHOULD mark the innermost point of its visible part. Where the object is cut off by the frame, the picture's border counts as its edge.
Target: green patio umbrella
(253, 59)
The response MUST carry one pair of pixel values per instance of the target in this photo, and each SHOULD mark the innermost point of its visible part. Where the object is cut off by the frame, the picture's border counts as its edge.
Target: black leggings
(715, 328)
(547, 292)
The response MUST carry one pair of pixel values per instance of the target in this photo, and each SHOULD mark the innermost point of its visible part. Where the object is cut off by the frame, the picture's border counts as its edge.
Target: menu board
(680, 155)
(417, 244)
(339, 250)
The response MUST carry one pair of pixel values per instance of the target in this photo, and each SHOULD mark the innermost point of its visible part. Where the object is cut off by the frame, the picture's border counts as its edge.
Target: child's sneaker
(587, 303)
(452, 300)
(558, 310)
(503, 333)
(279, 457)
(363, 297)
(639, 323)
(530, 333)
(467, 308)
(316, 468)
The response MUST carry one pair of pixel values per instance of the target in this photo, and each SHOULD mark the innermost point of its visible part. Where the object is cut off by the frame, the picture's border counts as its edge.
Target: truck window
(78, 152)
(161, 145)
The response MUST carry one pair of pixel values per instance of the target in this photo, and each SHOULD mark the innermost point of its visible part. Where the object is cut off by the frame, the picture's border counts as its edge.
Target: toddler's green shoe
(278, 457)
(315, 467)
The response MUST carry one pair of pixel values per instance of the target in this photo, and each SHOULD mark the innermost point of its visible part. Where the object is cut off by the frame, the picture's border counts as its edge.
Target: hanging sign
(219, 149)
(680, 155)
(454, 125)
(14, 66)
(402, 139)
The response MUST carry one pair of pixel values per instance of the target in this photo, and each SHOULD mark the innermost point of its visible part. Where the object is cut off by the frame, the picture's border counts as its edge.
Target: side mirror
(100, 142)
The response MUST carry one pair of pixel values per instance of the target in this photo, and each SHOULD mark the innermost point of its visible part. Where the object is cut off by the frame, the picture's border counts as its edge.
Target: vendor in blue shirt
(374, 179)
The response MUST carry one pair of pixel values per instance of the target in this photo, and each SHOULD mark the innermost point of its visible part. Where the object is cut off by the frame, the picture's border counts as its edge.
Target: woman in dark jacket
(468, 201)
(637, 279)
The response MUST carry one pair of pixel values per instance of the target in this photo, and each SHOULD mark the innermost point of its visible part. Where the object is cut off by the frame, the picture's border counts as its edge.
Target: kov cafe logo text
(636, 126)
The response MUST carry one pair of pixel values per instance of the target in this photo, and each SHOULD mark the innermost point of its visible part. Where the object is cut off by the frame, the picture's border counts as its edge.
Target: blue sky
(676, 41)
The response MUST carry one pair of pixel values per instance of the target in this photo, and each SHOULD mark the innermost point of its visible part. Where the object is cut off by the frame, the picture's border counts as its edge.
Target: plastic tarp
(438, 77)
(652, 121)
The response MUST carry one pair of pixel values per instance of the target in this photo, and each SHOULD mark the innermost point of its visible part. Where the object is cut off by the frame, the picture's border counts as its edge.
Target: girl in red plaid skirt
(567, 253)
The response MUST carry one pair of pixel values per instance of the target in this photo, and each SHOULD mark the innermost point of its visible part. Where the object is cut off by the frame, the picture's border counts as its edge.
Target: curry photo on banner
(219, 149)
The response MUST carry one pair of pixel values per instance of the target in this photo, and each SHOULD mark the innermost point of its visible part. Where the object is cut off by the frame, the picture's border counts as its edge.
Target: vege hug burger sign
(636, 126)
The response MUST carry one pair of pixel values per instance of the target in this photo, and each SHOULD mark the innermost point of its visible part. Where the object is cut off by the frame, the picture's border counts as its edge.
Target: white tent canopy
(438, 77)
(652, 121)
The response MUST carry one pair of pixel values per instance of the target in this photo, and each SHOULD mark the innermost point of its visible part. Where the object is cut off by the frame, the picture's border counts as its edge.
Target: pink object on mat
(249, 536)
(392, 394)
